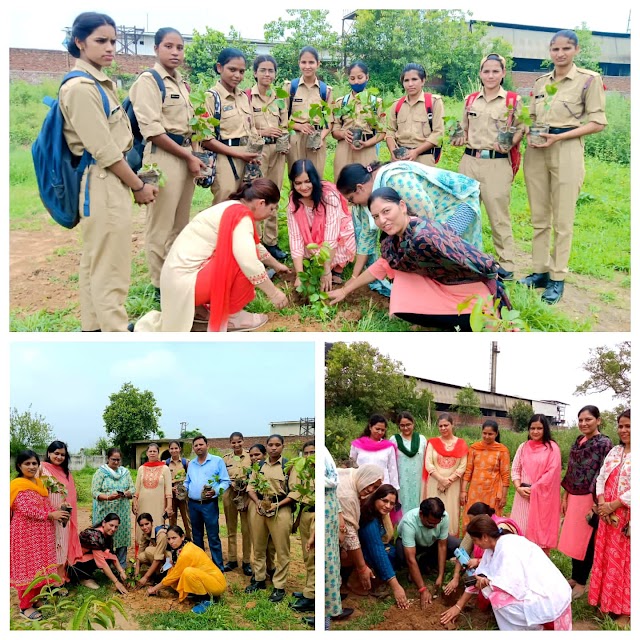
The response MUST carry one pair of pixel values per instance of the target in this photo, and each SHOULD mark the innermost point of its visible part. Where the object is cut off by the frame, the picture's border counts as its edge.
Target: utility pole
(494, 366)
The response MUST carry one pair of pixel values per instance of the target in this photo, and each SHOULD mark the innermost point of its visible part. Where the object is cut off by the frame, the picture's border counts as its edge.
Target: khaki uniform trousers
(273, 168)
(231, 517)
(298, 151)
(169, 214)
(146, 557)
(495, 178)
(346, 155)
(553, 177)
(183, 507)
(279, 528)
(105, 265)
(225, 182)
(307, 524)
(427, 159)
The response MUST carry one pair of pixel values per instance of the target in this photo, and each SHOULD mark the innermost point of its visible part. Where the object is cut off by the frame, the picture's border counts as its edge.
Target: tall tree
(609, 370)
(520, 413)
(28, 431)
(467, 403)
(131, 415)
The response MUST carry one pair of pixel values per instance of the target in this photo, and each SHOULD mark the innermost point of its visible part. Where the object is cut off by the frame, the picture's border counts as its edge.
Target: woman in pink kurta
(56, 467)
(318, 213)
(536, 473)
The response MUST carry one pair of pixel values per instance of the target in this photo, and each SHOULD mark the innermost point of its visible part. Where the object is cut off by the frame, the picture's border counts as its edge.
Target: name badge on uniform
(257, 109)
(298, 100)
(472, 114)
(228, 108)
(175, 96)
(539, 97)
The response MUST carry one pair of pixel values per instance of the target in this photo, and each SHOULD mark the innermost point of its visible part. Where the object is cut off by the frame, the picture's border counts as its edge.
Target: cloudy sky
(545, 366)
(217, 387)
(40, 24)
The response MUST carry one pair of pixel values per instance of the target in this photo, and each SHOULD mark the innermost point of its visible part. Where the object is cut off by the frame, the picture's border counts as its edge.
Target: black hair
(546, 428)
(264, 58)
(368, 510)
(112, 450)
(479, 508)
(360, 64)
(592, 409)
(58, 444)
(260, 447)
(165, 31)
(83, 26)
(414, 66)
(354, 174)
(259, 189)
(569, 34)
(384, 193)
(109, 517)
(309, 49)
(374, 419)
(625, 414)
(236, 434)
(176, 442)
(432, 507)
(228, 53)
(145, 516)
(496, 58)
(153, 444)
(297, 169)
(481, 524)
(176, 529)
(308, 443)
(494, 425)
(446, 416)
(275, 435)
(23, 456)
(198, 438)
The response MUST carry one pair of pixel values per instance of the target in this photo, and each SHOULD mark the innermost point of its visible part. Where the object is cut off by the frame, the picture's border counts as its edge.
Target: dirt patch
(44, 267)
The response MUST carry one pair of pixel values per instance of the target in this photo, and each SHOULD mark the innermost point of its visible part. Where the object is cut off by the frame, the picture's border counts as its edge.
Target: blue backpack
(293, 89)
(58, 171)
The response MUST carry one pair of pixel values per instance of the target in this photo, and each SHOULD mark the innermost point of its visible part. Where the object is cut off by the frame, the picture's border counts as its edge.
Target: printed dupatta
(434, 250)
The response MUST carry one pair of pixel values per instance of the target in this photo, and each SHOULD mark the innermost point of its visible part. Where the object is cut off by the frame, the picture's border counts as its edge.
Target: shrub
(614, 143)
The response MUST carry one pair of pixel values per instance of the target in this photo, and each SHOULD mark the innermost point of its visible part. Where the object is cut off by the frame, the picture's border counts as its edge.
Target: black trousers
(445, 323)
(84, 570)
(427, 556)
(580, 569)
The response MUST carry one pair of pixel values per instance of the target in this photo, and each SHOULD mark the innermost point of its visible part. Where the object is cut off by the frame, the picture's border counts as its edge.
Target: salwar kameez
(410, 474)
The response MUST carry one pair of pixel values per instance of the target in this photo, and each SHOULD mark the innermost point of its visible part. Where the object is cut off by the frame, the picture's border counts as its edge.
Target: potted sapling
(372, 111)
(151, 173)
(181, 490)
(209, 486)
(53, 486)
(454, 129)
(507, 130)
(276, 107)
(203, 125)
(263, 488)
(319, 115)
(537, 129)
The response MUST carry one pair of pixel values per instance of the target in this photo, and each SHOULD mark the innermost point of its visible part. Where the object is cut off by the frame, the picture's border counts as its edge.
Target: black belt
(486, 154)
(557, 130)
(183, 141)
(424, 153)
(235, 142)
(308, 509)
(367, 136)
(269, 140)
(207, 501)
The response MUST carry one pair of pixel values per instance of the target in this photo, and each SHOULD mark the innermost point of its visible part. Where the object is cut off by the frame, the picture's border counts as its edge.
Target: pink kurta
(576, 533)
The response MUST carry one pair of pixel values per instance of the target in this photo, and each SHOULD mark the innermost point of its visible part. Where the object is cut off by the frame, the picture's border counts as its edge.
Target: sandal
(34, 615)
(245, 321)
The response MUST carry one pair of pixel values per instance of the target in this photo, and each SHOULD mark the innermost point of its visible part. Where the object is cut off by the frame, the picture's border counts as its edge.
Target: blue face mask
(358, 87)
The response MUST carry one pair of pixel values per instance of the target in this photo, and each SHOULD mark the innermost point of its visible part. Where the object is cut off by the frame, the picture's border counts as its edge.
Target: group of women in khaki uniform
(554, 171)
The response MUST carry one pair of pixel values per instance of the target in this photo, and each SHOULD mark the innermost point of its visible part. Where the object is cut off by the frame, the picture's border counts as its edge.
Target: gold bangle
(459, 607)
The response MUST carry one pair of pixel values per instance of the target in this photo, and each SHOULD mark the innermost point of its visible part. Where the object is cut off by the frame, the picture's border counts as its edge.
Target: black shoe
(276, 251)
(246, 569)
(346, 612)
(344, 596)
(270, 574)
(156, 294)
(304, 605)
(309, 620)
(230, 566)
(297, 594)
(130, 327)
(277, 595)
(254, 586)
(535, 280)
(504, 275)
(553, 291)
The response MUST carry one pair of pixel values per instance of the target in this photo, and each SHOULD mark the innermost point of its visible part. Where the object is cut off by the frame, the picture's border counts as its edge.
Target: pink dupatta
(316, 233)
(544, 465)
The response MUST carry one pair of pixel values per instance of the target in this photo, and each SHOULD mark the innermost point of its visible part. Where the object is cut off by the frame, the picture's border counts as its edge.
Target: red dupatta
(459, 451)
(157, 463)
(230, 288)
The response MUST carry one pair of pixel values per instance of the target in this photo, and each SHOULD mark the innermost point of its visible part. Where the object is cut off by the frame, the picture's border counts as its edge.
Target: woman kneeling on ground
(434, 270)
(193, 573)
(217, 261)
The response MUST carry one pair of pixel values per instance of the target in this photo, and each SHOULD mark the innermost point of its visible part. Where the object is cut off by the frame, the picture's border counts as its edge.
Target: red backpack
(514, 153)
(428, 105)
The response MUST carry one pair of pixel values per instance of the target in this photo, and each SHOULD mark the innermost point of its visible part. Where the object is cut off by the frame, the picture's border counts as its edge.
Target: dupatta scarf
(350, 483)
(22, 484)
(459, 450)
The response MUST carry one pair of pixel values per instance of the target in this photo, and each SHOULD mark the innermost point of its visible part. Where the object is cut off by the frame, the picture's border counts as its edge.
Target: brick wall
(503, 423)
(524, 80)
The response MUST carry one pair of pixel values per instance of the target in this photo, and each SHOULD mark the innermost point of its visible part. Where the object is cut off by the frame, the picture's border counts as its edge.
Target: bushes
(614, 143)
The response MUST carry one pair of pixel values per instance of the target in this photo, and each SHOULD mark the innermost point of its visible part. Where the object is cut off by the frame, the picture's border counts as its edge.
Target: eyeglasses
(115, 459)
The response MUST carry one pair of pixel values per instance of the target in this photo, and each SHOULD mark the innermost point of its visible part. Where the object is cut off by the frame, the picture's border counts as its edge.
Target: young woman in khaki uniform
(308, 93)
(236, 125)
(270, 122)
(346, 153)
(411, 127)
(274, 522)
(165, 127)
(105, 265)
(554, 171)
(177, 463)
(486, 161)
(238, 463)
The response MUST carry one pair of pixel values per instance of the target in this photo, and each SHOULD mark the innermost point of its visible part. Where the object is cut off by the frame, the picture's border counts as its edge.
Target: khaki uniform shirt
(236, 115)
(85, 124)
(157, 544)
(410, 126)
(156, 117)
(237, 465)
(174, 467)
(271, 117)
(295, 495)
(304, 98)
(572, 105)
(347, 122)
(484, 118)
(275, 475)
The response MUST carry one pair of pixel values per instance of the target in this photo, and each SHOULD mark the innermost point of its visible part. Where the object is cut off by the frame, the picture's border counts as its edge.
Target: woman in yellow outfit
(105, 265)
(165, 127)
(193, 572)
(236, 124)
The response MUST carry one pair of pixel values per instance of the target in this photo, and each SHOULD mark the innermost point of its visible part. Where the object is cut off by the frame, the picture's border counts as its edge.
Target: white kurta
(385, 459)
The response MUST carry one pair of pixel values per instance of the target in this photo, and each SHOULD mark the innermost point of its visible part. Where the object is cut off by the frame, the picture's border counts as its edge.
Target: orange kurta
(487, 474)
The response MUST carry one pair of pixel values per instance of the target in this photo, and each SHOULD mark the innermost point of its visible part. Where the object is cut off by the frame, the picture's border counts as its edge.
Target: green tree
(520, 414)
(131, 415)
(467, 403)
(28, 431)
(589, 55)
(101, 444)
(609, 370)
(303, 27)
(201, 54)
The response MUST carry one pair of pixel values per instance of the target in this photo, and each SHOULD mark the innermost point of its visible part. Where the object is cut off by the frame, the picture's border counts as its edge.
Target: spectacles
(116, 459)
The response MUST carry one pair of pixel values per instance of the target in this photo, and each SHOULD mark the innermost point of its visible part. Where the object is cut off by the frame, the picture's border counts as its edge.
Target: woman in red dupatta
(445, 462)
(62, 495)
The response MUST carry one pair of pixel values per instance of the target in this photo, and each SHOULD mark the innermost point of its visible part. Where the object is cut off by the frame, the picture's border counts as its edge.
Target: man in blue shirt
(424, 541)
(210, 470)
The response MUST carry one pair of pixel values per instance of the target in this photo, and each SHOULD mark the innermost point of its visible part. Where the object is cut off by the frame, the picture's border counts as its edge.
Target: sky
(40, 25)
(545, 366)
(216, 387)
